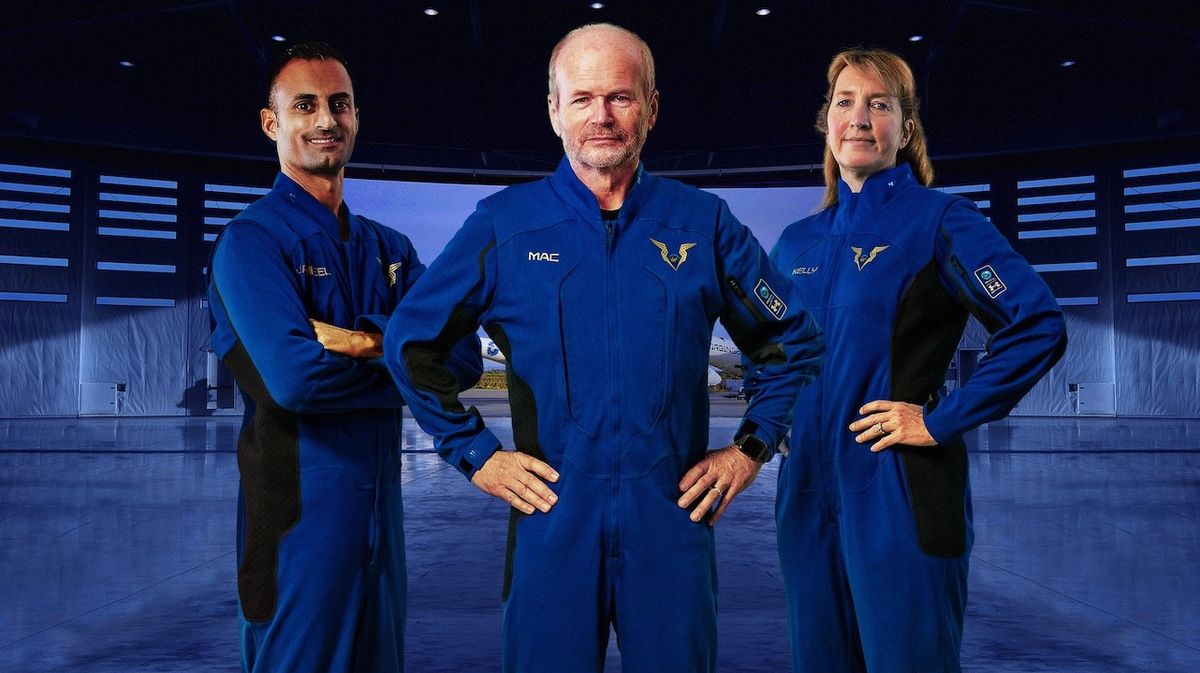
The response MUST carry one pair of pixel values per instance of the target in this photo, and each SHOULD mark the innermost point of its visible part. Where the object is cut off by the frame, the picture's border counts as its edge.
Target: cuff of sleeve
(481, 448)
(936, 429)
(371, 323)
(766, 433)
(379, 365)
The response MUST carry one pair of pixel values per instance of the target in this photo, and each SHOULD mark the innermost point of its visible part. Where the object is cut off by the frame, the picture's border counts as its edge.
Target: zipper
(740, 292)
(614, 391)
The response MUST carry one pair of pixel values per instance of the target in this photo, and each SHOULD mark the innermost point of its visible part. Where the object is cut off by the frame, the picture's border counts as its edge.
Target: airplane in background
(723, 358)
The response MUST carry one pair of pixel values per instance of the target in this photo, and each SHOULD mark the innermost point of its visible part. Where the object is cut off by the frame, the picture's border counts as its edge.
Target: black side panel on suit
(525, 436)
(269, 462)
(427, 360)
(928, 327)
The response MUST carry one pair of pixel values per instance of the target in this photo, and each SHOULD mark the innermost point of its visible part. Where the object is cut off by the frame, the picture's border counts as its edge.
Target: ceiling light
(763, 11)
(1067, 64)
(916, 38)
(597, 5)
(278, 38)
(126, 64)
(431, 11)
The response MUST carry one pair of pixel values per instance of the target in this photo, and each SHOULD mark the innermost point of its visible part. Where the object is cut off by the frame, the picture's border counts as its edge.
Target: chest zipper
(614, 521)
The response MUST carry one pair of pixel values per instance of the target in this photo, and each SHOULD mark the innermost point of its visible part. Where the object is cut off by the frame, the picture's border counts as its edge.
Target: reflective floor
(116, 550)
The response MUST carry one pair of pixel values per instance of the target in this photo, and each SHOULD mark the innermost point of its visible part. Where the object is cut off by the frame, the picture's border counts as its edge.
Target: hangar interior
(1070, 125)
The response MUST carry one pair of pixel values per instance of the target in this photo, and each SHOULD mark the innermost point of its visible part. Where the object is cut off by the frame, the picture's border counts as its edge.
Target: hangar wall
(103, 257)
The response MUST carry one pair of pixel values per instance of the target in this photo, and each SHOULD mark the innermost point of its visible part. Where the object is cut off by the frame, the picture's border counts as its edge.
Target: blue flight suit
(874, 546)
(321, 570)
(605, 326)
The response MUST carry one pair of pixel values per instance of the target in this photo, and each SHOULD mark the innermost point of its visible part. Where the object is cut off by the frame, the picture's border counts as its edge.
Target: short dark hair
(307, 51)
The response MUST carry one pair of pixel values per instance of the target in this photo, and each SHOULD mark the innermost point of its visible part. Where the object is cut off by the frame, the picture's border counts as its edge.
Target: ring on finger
(720, 493)
(879, 427)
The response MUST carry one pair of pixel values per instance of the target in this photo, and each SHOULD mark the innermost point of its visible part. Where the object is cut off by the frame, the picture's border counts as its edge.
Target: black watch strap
(749, 444)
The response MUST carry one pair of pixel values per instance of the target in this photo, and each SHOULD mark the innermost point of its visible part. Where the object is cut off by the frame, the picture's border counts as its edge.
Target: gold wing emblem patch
(673, 260)
(861, 260)
(391, 271)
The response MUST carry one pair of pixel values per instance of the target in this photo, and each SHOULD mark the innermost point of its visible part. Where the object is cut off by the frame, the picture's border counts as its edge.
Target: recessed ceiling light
(597, 5)
(278, 38)
(431, 11)
(1067, 64)
(763, 11)
(125, 64)
(916, 38)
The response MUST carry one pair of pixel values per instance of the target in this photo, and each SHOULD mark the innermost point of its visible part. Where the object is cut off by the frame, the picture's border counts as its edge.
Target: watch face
(755, 448)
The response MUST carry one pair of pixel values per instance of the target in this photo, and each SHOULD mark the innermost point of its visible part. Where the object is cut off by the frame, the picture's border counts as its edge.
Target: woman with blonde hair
(873, 509)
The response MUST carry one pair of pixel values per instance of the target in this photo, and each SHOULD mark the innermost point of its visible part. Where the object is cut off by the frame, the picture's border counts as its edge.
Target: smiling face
(865, 127)
(600, 106)
(312, 119)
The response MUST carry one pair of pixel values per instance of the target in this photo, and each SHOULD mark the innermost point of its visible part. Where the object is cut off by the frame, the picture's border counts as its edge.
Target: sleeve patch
(769, 299)
(991, 283)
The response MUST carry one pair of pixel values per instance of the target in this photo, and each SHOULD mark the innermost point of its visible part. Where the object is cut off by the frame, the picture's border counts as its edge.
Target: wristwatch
(754, 447)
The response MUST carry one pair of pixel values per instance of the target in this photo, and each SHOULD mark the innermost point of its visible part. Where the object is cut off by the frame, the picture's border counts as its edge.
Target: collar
(313, 210)
(566, 183)
(880, 187)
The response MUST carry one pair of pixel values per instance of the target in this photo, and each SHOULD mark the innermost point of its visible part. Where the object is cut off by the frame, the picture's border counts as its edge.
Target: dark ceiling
(466, 88)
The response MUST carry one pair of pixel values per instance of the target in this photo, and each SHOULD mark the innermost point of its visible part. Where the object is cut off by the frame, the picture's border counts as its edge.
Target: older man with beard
(601, 284)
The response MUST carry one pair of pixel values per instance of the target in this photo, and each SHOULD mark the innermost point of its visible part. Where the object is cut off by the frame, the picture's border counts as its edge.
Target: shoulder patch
(769, 299)
(991, 283)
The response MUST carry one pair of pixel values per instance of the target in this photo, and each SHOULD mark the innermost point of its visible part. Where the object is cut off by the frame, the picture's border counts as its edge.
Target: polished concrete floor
(116, 550)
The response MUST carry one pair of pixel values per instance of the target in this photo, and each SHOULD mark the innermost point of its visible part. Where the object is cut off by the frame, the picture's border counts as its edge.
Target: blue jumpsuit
(874, 547)
(606, 329)
(321, 573)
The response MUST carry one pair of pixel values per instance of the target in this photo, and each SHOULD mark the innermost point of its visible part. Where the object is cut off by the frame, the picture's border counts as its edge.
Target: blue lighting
(137, 182)
(1057, 182)
(135, 301)
(1078, 301)
(1162, 296)
(1162, 261)
(1057, 233)
(1161, 170)
(1163, 224)
(34, 296)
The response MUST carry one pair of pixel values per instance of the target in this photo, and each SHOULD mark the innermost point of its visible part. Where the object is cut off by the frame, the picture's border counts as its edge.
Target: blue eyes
(877, 105)
(618, 100)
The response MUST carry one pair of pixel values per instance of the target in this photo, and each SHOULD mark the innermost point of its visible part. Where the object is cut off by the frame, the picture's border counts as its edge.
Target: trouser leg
(909, 604)
(318, 594)
(556, 597)
(379, 645)
(666, 585)
(821, 615)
